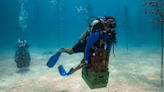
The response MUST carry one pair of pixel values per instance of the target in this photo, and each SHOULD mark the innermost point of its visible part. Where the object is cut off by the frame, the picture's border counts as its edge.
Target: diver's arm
(113, 34)
(111, 41)
(108, 47)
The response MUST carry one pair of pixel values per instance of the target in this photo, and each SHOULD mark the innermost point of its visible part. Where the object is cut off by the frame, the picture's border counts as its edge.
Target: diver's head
(109, 23)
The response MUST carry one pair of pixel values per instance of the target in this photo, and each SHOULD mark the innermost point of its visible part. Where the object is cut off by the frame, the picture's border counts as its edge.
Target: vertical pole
(162, 53)
(126, 26)
(162, 38)
(161, 20)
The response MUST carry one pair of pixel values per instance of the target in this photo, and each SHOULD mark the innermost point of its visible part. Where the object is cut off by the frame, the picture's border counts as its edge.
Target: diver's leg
(79, 47)
(77, 67)
(67, 50)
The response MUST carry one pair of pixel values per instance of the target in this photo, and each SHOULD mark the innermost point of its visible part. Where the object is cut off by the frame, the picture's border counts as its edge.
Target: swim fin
(63, 72)
(72, 70)
(52, 61)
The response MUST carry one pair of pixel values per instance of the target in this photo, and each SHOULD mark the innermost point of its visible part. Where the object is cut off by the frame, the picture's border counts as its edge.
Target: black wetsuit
(80, 46)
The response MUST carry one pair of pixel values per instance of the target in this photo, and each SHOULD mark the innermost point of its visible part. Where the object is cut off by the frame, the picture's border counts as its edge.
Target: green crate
(95, 79)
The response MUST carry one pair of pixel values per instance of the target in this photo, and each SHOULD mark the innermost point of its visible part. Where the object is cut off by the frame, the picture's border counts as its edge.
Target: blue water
(52, 24)
(59, 23)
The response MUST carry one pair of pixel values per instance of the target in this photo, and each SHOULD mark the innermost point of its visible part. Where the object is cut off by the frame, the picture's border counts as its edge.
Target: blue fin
(91, 40)
(63, 72)
(52, 61)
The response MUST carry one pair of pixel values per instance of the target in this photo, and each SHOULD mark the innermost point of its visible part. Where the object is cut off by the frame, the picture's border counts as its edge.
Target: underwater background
(52, 24)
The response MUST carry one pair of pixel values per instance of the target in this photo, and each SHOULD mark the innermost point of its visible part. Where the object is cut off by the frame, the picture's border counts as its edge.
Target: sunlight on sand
(137, 71)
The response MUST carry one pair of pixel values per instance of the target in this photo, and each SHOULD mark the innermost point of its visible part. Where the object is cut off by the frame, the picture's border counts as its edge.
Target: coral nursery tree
(155, 9)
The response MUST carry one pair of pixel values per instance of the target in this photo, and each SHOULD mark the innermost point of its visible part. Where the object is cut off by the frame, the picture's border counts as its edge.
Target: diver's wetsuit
(79, 47)
(94, 36)
(107, 37)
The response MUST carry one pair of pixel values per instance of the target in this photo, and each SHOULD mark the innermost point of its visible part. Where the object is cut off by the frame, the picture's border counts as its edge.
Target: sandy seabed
(135, 70)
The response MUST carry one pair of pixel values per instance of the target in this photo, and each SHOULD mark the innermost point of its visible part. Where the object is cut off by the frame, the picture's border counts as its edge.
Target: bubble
(53, 2)
(20, 18)
(80, 9)
(23, 15)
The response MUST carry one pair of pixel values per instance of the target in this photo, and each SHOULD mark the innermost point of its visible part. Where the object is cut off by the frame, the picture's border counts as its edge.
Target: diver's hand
(86, 61)
(114, 41)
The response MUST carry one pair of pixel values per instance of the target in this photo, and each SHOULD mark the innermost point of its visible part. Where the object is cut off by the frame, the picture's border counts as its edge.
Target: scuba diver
(22, 56)
(99, 34)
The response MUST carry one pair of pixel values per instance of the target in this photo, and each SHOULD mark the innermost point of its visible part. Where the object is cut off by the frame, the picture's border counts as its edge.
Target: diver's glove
(86, 61)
